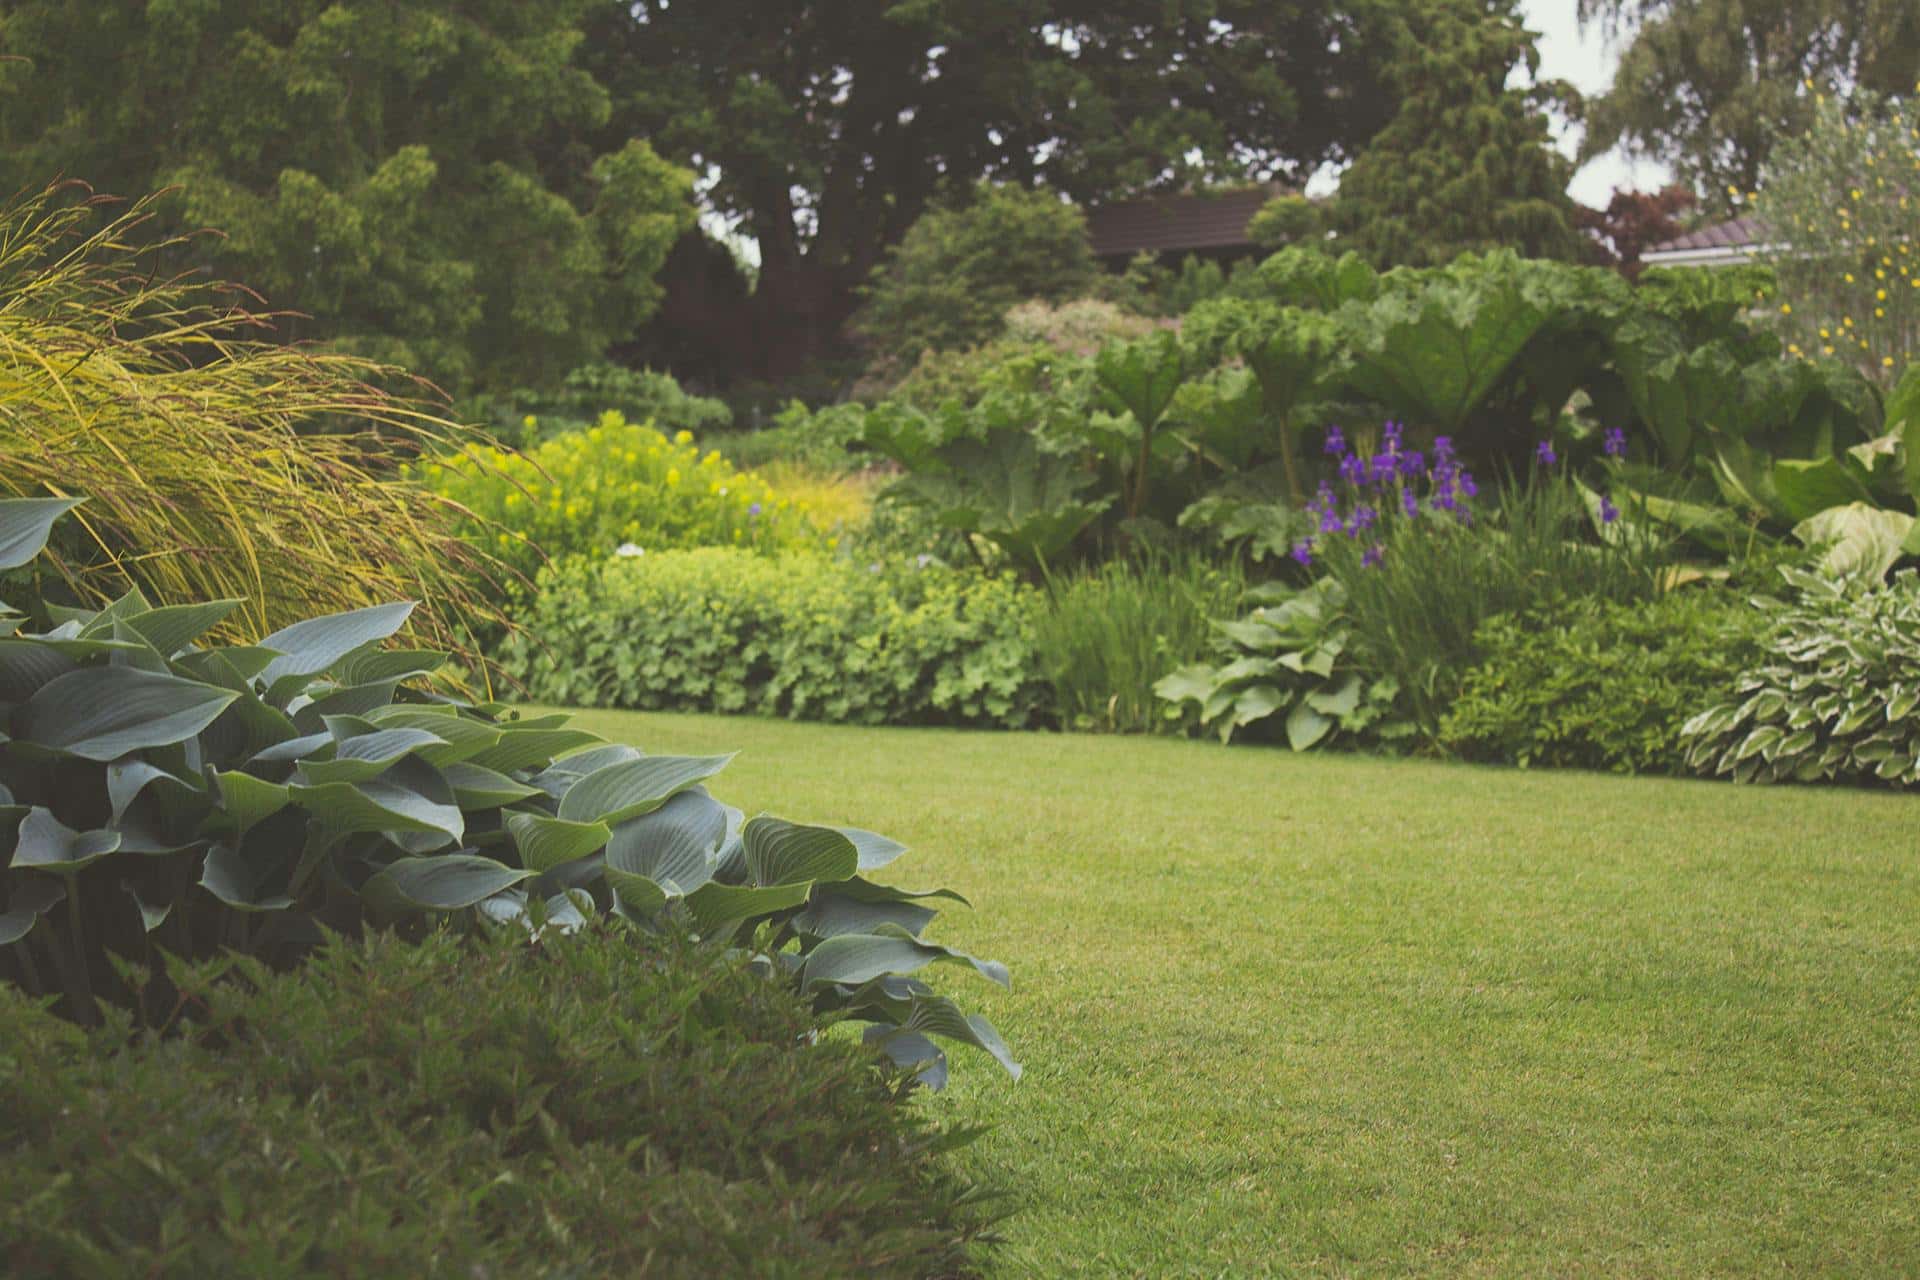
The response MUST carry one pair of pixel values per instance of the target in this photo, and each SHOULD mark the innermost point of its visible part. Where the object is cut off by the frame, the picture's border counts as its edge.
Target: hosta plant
(167, 798)
(1838, 699)
(1289, 664)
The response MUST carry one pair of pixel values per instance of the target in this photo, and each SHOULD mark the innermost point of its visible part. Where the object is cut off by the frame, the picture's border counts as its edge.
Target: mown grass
(1333, 1015)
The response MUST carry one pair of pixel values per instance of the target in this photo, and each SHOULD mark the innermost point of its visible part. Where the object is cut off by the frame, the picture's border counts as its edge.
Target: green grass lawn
(1320, 1014)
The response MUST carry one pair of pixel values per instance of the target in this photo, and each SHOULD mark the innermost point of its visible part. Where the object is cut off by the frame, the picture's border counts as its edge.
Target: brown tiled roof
(1176, 222)
(1721, 235)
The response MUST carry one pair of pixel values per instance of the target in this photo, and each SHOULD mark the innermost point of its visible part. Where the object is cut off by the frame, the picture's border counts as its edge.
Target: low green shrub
(610, 484)
(802, 636)
(1105, 635)
(1289, 669)
(1836, 697)
(525, 417)
(1594, 684)
(160, 797)
(821, 439)
(608, 1103)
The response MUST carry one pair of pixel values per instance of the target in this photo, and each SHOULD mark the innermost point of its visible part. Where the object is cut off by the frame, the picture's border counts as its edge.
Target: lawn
(1331, 1015)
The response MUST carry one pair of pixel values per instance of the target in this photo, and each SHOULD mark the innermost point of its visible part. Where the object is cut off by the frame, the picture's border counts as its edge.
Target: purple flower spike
(1390, 435)
(1442, 450)
(1365, 517)
(1544, 452)
(1409, 505)
(1329, 521)
(1608, 512)
(1353, 471)
(1302, 552)
(1468, 488)
(1336, 444)
(1374, 555)
(1412, 464)
(1615, 444)
(1384, 467)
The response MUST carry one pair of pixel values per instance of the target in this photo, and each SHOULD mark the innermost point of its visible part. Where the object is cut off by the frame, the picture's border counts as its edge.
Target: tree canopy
(825, 129)
(432, 183)
(1467, 163)
(1709, 86)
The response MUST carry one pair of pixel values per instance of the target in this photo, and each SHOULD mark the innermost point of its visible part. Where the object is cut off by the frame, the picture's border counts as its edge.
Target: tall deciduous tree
(1709, 86)
(826, 128)
(1467, 163)
(415, 177)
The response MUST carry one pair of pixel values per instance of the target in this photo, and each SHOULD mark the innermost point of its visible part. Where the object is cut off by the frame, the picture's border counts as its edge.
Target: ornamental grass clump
(217, 462)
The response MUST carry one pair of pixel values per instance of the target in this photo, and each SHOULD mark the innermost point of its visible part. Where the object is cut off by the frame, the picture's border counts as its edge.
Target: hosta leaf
(633, 787)
(521, 748)
(376, 666)
(460, 737)
(558, 778)
(28, 898)
(152, 914)
(311, 647)
(862, 890)
(639, 894)
(173, 627)
(47, 844)
(317, 746)
(546, 843)
(365, 756)
(411, 797)
(782, 852)
(28, 665)
(875, 851)
(476, 788)
(1338, 702)
(911, 1051)
(831, 914)
(1188, 684)
(939, 1016)
(449, 882)
(248, 800)
(103, 713)
(1305, 726)
(126, 779)
(25, 524)
(851, 959)
(714, 904)
(1257, 702)
(673, 847)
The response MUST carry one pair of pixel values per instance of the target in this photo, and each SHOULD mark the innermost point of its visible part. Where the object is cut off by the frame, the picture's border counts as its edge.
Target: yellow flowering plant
(617, 486)
(1841, 204)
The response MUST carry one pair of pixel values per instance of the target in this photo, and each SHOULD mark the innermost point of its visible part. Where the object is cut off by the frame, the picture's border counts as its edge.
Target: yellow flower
(1828, 350)
(1848, 277)
(1880, 313)
(1886, 362)
(683, 437)
(1880, 294)
(529, 422)
(673, 475)
(1786, 309)
(1825, 334)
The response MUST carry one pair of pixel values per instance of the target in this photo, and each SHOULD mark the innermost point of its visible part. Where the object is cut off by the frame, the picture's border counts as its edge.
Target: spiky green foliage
(217, 465)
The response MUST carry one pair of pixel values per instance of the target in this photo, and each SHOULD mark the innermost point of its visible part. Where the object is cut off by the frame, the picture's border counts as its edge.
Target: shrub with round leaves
(1839, 697)
(161, 797)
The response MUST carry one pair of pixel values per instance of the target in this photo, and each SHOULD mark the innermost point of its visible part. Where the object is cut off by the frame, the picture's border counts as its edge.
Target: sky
(1586, 61)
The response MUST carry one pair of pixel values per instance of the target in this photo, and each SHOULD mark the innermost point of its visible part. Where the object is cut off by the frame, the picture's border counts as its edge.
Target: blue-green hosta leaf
(875, 851)
(365, 756)
(1337, 702)
(782, 852)
(245, 728)
(861, 889)
(558, 778)
(446, 883)
(152, 914)
(247, 800)
(334, 702)
(127, 778)
(521, 748)
(639, 896)
(25, 524)
(633, 787)
(546, 843)
(47, 844)
(28, 898)
(853, 958)
(1188, 684)
(940, 1016)
(410, 797)
(376, 666)
(714, 904)
(461, 737)
(830, 914)
(233, 668)
(315, 746)
(476, 788)
(673, 847)
(103, 713)
(311, 647)
(171, 628)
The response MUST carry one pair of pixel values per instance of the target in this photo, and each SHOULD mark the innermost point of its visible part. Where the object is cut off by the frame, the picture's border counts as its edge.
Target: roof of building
(1172, 223)
(1733, 240)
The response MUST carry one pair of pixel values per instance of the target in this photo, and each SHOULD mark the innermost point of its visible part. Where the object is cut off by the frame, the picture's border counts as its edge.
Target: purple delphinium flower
(1615, 444)
(1385, 467)
(1329, 520)
(1353, 470)
(1442, 450)
(1608, 512)
(1365, 517)
(1302, 552)
(1390, 437)
(1412, 464)
(1468, 489)
(1336, 445)
(1374, 555)
(1409, 504)
(1545, 454)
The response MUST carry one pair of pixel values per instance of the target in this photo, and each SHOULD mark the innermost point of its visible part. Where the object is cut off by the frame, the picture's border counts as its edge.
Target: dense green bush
(1104, 636)
(1837, 695)
(609, 1103)
(524, 417)
(617, 482)
(800, 636)
(817, 438)
(157, 796)
(1594, 684)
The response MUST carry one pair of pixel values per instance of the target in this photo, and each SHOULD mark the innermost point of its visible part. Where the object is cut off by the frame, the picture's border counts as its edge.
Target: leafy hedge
(617, 482)
(802, 636)
(602, 1104)
(1592, 684)
(1837, 695)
